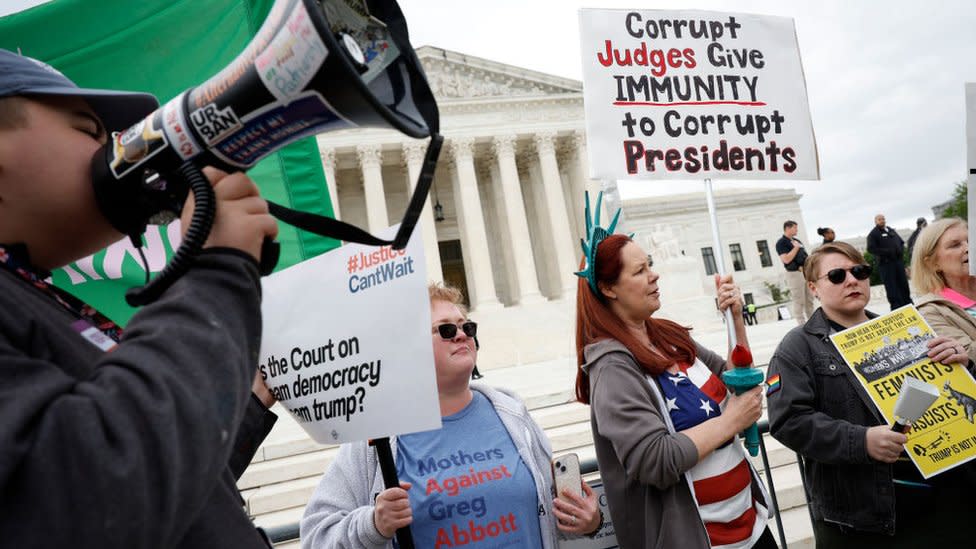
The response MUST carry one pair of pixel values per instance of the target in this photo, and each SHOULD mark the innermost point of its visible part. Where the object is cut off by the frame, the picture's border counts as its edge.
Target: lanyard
(14, 259)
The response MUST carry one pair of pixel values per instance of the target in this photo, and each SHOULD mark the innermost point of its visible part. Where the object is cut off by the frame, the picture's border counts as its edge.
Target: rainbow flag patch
(773, 385)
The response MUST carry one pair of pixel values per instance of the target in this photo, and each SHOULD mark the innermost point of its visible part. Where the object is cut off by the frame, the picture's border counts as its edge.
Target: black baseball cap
(25, 76)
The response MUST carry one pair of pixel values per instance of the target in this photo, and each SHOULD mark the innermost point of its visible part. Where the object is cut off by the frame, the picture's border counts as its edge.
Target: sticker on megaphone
(913, 400)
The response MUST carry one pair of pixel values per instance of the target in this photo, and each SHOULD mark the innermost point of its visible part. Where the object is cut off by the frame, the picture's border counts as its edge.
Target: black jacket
(886, 245)
(131, 448)
(822, 413)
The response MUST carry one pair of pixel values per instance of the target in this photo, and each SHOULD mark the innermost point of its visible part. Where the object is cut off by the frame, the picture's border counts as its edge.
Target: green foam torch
(741, 379)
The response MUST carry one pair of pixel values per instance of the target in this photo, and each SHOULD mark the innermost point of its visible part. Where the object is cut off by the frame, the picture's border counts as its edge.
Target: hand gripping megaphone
(913, 401)
(313, 66)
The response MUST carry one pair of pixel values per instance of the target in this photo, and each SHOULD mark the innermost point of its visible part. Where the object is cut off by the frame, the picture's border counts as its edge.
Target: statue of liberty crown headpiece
(595, 234)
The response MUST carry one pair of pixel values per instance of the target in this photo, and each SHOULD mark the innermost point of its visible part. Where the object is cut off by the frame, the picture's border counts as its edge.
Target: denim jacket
(822, 413)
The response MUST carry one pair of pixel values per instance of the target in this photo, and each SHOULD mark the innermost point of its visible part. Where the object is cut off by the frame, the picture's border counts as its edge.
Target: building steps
(287, 468)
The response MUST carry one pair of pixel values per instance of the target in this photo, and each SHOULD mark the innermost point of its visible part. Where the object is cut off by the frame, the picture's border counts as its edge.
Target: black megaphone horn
(314, 66)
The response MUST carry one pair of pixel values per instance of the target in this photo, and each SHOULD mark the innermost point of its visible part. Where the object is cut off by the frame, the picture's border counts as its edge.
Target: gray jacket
(820, 396)
(340, 512)
(140, 446)
(642, 459)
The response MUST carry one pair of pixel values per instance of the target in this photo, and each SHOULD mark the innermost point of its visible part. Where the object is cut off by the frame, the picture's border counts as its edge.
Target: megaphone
(913, 401)
(313, 66)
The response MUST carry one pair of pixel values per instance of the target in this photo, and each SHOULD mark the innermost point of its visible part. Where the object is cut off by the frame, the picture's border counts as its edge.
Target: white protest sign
(694, 94)
(347, 345)
(971, 165)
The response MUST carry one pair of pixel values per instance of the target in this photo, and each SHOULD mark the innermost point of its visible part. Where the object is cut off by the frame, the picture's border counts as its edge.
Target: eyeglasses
(837, 276)
(449, 331)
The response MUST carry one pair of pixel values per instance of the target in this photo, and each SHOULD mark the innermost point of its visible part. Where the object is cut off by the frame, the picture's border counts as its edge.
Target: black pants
(766, 541)
(924, 517)
(895, 283)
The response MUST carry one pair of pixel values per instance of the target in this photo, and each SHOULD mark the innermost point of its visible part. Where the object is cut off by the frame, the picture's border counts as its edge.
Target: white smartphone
(566, 474)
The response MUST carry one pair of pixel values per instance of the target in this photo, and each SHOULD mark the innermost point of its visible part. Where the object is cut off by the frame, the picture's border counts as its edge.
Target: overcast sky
(884, 79)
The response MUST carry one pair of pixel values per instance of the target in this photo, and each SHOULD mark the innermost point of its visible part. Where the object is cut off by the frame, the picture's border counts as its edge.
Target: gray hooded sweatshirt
(642, 459)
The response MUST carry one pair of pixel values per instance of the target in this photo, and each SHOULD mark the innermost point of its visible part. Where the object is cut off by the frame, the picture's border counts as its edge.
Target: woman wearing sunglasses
(482, 479)
(862, 490)
(940, 271)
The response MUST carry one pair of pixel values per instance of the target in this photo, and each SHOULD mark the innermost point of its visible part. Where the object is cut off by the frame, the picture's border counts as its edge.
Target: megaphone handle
(196, 234)
(270, 252)
(899, 427)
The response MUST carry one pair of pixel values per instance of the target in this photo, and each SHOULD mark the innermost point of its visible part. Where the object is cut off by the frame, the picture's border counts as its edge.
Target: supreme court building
(505, 212)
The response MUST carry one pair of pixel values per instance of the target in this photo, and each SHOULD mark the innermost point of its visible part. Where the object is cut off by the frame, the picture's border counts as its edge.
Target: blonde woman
(940, 271)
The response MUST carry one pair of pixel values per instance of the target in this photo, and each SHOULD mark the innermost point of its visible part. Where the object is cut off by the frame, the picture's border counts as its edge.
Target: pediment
(456, 76)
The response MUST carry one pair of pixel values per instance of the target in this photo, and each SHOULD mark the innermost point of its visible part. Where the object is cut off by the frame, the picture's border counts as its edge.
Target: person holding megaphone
(863, 491)
(113, 439)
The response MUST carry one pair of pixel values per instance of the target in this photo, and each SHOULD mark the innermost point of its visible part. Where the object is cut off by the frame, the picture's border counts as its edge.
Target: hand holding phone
(566, 474)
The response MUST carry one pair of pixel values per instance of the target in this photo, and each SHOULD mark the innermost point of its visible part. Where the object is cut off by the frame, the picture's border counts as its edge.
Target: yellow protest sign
(881, 353)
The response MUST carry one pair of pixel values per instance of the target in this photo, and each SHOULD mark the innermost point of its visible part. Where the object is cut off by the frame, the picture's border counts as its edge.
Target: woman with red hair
(664, 424)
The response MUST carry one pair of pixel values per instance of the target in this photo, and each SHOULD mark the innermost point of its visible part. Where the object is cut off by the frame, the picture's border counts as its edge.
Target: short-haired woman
(863, 489)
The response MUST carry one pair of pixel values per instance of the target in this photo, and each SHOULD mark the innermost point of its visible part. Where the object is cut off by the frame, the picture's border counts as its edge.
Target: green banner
(162, 47)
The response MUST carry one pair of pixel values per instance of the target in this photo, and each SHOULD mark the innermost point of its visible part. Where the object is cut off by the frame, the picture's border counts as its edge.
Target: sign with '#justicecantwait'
(347, 346)
(694, 94)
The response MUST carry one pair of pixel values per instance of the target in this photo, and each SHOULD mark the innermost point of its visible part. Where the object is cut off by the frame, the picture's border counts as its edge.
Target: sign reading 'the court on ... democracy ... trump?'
(694, 94)
(882, 352)
(347, 346)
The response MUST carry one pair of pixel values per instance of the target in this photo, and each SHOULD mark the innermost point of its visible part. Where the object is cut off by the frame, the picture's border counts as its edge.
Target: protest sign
(971, 165)
(694, 94)
(881, 353)
(347, 345)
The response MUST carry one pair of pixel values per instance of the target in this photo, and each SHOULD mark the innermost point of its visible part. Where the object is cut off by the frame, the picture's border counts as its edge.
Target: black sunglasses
(837, 276)
(449, 331)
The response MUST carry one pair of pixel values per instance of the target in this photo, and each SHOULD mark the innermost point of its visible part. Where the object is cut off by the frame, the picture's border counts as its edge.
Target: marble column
(471, 225)
(413, 159)
(329, 168)
(566, 157)
(515, 228)
(593, 186)
(370, 162)
(555, 209)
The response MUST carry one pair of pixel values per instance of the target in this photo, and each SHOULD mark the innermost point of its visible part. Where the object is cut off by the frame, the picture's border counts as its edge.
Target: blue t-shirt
(470, 486)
